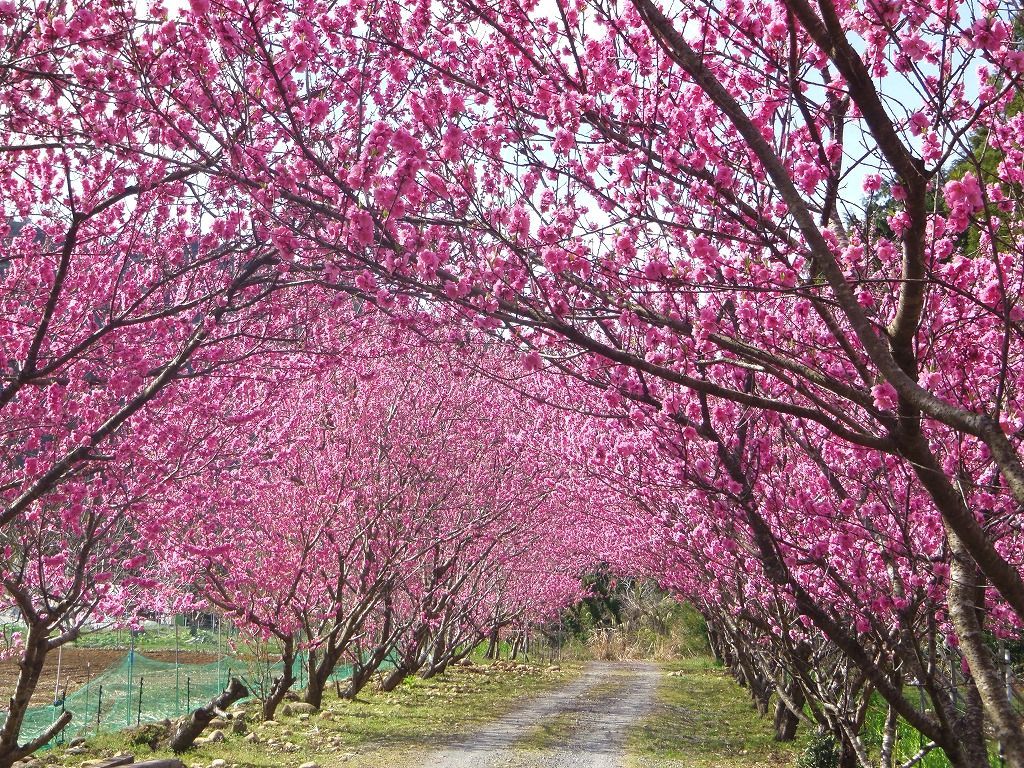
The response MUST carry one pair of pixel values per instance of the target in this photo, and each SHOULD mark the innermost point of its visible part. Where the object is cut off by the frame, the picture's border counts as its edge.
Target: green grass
(153, 639)
(703, 719)
(549, 734)
(908, 739)
(375, 730)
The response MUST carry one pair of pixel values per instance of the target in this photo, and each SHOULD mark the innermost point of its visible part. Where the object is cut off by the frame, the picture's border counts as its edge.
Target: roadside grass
(703, 719)
(375, 730)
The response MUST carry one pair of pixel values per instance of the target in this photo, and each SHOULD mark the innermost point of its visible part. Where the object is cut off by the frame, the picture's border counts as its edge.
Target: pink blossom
(884, 396)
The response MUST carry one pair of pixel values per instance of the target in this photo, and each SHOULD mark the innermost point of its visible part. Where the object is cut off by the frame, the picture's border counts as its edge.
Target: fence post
(131, 665)
(138, 713)
(99, 707)
(219, 625)
(177, 671)
(188, 693)
(63, 709)
(88, 679)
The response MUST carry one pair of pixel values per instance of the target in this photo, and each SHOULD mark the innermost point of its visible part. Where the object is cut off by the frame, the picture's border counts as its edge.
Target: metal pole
(63, 709)
(56, 685)
(88, 679)
(131, 665)
(188, 693)
(177, 671)
(99, 707)
(216, 618)
(138, 714)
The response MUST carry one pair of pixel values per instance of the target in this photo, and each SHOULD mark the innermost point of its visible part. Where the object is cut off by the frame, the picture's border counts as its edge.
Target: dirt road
(584, 725)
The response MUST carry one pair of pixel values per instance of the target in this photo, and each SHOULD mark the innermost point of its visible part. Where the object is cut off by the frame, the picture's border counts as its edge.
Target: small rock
(252, 738)
(219, 763)
(215, 737)
(110, 762)
(79, 750)
(238, 726)
(303, 717)
(217, 722)
(309, 765)
(298, 708)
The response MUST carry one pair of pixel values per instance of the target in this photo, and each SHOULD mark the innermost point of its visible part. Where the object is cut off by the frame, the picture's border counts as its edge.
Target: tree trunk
(966, 596)
(493, 647)
(360, 677)
(31, 666)
(715, 643)
(315, 690)
(848, 755)
(280, 687)
(319, 673)
(189, 730)
(786, 721)
(393, 680)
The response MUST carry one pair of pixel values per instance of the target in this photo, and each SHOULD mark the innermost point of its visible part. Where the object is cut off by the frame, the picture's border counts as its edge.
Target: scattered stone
(79, 750)
(271, 723)
(252, 738)
(309, 765)
(298, 708)
(303, 717)
(238, 726)
(215, 738)
(110, 762)
(218, 722)
(219, 763)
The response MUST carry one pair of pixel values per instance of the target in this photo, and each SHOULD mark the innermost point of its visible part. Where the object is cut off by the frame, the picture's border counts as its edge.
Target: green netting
(141, 690)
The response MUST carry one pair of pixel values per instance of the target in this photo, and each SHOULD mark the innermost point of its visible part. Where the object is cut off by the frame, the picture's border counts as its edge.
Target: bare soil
(77, 666)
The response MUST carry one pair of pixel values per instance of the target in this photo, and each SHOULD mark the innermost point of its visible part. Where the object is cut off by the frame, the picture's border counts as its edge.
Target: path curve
(602, 707)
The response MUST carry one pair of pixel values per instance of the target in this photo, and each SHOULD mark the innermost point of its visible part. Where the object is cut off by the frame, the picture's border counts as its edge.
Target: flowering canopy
(769, 253)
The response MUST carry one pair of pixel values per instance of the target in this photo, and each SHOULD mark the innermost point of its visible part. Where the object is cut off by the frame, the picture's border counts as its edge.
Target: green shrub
(822, 752)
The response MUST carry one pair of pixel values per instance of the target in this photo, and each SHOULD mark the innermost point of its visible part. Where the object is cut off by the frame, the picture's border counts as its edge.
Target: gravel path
(590, 720)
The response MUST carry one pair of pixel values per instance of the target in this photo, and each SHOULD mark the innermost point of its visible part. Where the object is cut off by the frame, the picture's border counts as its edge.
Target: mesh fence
(140, 690)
